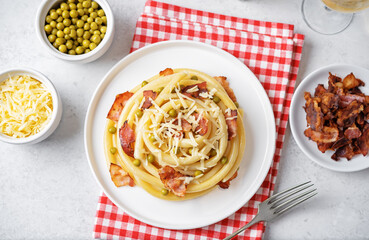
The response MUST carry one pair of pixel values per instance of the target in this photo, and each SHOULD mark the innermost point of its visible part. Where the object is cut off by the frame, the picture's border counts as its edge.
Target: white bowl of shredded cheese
(30, 106)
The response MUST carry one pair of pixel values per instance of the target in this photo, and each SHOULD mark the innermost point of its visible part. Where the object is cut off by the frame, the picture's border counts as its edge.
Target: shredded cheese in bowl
(26, 106)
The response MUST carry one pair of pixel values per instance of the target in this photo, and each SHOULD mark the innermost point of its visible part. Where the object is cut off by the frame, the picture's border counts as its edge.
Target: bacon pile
(337, 117)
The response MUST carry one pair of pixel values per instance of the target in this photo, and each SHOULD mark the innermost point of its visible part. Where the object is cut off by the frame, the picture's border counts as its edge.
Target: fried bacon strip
(120, 177)
(148, 95)
(173, 180)
(166, 72)
(186, 126)
(226, 184)
(225, 84)
(337, 116)
(202, 129)
(127, 138)
(118, 105)
(195, 94)
(231, 121)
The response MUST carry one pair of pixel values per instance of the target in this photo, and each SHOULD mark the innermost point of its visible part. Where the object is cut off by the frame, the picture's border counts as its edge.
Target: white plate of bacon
(329, 117)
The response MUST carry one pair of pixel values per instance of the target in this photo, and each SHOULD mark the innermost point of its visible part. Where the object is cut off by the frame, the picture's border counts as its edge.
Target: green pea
(67, 37)
(96, 39)
(73, 13)
(96, 32)
(144, 83)
(73, 33)
(213, 152)
(64, 6)
(98, 20)
(80, 11)
(66, 30)
(49, 19)
(60, 19)
(92, 46)
(79, 40)
(86, 4)
(65, 14)
(93, 15)
(224, 160)
(72, 6)
(51, 38)
(80, 50)
(90, 20)
(59, 11)
(190, 150)
(72, 52)
(160, 89)
(74, 21)
(86, 43)
(216, 99)
(103, 29)
(60, 34)
(112, 130)
(87, 50)
(56, 45)
(150, 158)
(60, 26)
(102, 35)
(113, 150)
(194, 77)
(137, 162)
(93, 26)
(67, 22)
(86, 35)
(104, 19)
(164, 191)
(237, 104)
(90, 10)
(101, 13)
(80, 23)
(152, 138)
(59, 41)
(172, 112)
(86, 26)
(79, 6)
(139, 113)
(54, 31)
(53, 24)
(94, 5)
(48, 29)
(63, 48)
(54, 15)
(198, 172)
(69, 44)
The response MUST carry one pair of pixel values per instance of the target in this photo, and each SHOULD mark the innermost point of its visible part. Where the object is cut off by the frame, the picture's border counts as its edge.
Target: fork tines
(289, 198)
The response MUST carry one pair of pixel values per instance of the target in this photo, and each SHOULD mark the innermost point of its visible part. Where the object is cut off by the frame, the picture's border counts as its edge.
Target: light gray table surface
(47, 190)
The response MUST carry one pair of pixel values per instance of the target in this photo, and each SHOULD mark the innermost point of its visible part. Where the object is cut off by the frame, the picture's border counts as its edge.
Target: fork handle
(252, 222)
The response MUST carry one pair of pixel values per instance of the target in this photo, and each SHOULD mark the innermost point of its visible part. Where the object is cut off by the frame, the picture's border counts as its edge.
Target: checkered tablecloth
(271, 50)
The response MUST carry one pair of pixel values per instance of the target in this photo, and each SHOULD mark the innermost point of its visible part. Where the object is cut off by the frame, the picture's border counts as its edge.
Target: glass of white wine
(331, 16)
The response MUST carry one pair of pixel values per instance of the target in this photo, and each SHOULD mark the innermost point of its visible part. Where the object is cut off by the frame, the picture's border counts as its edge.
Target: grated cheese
(25, 106)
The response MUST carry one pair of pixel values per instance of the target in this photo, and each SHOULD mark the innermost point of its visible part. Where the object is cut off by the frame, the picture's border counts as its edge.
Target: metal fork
(279, 204)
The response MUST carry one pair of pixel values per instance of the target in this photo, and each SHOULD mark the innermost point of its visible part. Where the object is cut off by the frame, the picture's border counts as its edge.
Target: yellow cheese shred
(26, 106)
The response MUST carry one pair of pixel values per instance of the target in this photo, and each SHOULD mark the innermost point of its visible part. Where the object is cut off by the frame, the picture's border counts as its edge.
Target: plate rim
(114, 70)
(294, 129)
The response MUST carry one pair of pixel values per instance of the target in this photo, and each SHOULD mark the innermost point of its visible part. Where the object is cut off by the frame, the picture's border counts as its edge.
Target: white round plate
(259, 124)
(298, 117)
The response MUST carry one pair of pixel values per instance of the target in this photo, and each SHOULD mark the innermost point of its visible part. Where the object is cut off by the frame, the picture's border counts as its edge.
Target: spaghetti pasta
(178, 135)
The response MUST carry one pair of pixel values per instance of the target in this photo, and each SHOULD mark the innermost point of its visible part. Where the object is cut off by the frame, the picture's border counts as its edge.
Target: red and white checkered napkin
(271, 50)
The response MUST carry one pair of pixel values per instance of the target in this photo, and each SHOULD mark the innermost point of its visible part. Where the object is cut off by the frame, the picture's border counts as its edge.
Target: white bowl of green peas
(75, 30)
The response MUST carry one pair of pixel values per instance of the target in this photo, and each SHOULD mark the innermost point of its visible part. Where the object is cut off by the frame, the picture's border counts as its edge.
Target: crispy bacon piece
(352, 132)
(314, 115)
(337, 117)
(196, 94)
(231, 121)
(118, 105)
(186, 126)
(202, 129)
(173, 180)
(225, 84)
(350, 81)
(120, 177)
(363, 140)
(327, 135)
(226, 184)
(147, 95)
(127, 139)
(166, 72)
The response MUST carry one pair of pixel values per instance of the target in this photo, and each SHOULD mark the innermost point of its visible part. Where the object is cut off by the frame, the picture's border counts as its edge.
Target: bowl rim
(57, 106)
(40, 23)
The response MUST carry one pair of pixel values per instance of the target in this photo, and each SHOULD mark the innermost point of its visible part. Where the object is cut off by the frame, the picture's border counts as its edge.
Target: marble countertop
(47, 189)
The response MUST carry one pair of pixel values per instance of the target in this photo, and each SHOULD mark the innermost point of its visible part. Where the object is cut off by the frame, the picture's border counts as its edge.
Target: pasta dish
(178, 135)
